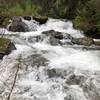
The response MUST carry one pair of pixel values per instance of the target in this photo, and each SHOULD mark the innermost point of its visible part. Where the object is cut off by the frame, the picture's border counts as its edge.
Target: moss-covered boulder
(6, 46)
(40, 19)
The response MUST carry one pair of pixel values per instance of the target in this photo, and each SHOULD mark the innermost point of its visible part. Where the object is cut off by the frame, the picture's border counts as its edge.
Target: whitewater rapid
(48, 72)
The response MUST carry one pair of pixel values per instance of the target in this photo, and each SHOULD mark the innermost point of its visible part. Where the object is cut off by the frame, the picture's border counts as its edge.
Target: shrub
(88, 18)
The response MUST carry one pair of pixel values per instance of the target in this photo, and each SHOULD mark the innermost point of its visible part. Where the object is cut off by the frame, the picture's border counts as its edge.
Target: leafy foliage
(88, 18)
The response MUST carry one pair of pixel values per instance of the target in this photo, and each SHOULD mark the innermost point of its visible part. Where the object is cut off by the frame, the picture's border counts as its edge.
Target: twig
(15, 78)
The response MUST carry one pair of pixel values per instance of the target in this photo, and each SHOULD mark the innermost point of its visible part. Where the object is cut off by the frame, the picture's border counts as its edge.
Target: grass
(19, 9)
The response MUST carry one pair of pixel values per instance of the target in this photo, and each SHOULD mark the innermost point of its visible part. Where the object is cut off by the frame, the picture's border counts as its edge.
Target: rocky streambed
(52, 61)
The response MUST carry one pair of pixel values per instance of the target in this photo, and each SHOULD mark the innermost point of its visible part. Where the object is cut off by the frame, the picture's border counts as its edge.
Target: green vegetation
(58, 9)
(88, 18)
(20, 8)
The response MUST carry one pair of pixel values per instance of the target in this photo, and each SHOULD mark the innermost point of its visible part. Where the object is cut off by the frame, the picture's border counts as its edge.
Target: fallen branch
(15, 78)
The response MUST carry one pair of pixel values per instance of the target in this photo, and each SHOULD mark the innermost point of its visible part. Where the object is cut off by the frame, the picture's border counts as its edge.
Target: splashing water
(48, 72)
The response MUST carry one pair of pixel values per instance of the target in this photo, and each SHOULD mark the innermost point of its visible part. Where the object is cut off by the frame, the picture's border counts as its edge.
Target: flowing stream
(37, 70)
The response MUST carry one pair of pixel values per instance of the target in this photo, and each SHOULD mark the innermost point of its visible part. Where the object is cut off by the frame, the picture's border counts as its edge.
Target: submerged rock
(18, 25)
(6, 46)
(36, 60)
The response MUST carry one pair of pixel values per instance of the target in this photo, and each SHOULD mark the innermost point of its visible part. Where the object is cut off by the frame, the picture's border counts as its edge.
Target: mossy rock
(40, 19)
(6, 46)
(4, 20)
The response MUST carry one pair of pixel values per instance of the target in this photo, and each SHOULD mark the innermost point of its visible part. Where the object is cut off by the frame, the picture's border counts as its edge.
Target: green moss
(4, 43)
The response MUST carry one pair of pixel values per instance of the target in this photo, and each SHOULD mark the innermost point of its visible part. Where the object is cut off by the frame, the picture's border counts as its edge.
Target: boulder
(55, 37)
(61, 38)
(40, 19)
(55, 34)
(97, 42)
(17, 25)
(83, 41)
(27, 18)
(6, 46)
(51, 73)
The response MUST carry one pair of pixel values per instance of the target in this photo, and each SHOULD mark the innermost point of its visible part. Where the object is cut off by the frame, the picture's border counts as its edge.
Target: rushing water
(48, 72)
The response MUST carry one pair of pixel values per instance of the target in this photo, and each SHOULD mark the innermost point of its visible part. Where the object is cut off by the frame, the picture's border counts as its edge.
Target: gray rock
(73, 79)
(55, 34)
(83, 41)
(51, 73)
(17, 25)
(56, 38)
(36, 60)
(91, 88)
(27, 18)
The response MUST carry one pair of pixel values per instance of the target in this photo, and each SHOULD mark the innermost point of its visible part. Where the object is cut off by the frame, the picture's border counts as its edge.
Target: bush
(88, 18)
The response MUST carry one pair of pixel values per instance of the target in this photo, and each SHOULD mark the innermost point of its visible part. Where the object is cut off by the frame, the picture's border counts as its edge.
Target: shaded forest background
(85, 14)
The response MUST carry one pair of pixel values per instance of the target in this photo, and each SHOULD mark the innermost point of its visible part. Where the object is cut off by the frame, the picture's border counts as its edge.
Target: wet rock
(53, 41)
(17, 25)
(56, 38)
(83, 41)
(73, 79)
(1, 90)
(97, 42)
(55, 34)
(74, 93)
(58, 35)
(65, 38)
(91, 88)
(96, 36)
(59, 72)
(6, 46)
(51, 73)
(36, 60)
(33, 39)
(40, 19)
(27, 18)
